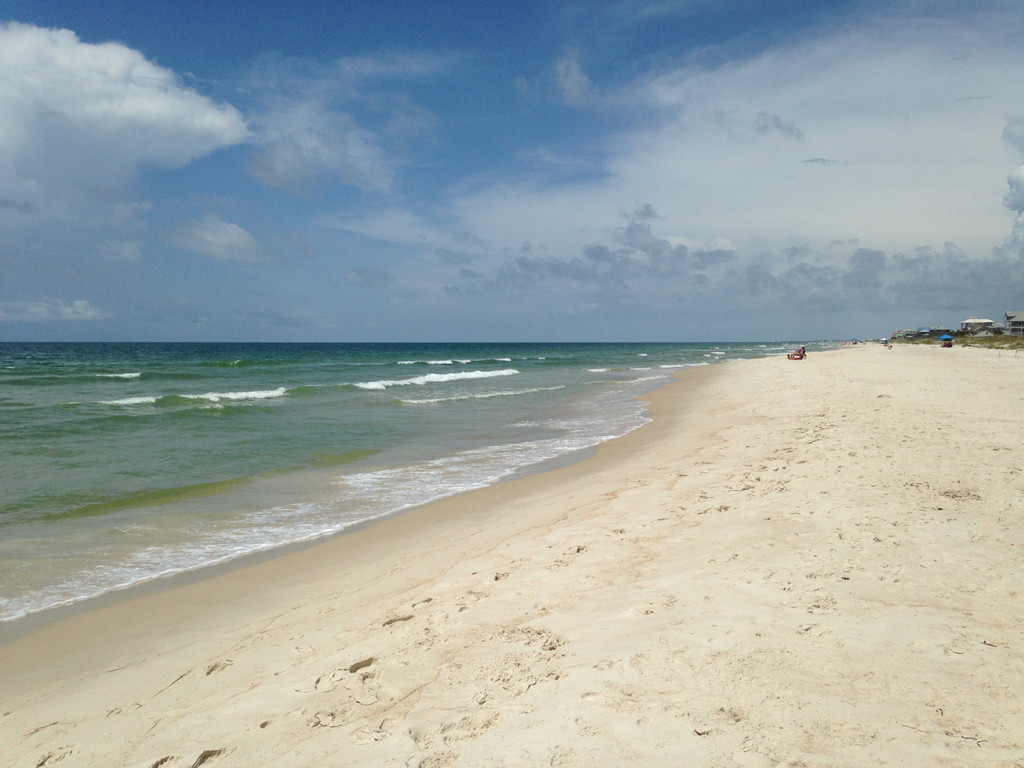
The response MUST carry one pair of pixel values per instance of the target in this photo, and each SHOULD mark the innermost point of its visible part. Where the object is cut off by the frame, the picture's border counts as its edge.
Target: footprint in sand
(568, 556)
(814, 630)
(218, 666)
(332, 719)
(467, 727)
(368, 735)
(330, 681)
(205, 756)
(55, 756)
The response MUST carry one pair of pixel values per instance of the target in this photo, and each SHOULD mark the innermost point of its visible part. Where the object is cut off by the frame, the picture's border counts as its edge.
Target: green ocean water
(121, 463)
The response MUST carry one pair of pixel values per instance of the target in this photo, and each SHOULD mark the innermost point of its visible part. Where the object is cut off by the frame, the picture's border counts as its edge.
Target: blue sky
(408, 171)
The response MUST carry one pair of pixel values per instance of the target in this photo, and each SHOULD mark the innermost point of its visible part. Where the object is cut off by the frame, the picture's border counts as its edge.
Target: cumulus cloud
(49, 310)
(636, 267)
(1013, 133)
(637, 270)
(78, 120)
(1014, 198)
(218, 239)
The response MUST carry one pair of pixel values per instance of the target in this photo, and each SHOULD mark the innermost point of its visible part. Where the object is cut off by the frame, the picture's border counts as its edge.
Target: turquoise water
(125, 462)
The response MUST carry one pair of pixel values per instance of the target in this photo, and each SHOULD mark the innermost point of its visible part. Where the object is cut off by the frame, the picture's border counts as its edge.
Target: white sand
(814, 563)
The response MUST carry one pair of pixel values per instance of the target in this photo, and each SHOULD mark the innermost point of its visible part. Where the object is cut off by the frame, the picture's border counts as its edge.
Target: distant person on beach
(800, 354)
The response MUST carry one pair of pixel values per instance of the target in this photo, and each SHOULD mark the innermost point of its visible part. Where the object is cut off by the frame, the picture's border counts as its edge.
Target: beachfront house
(1015, 323)
(975, 324)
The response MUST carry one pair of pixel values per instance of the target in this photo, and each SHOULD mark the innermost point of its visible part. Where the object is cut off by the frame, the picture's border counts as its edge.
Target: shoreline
(807, 562)
(24, 626)
(179, 570)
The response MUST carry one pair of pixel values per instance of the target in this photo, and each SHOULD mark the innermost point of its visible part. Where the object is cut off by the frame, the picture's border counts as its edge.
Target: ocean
(124, 463)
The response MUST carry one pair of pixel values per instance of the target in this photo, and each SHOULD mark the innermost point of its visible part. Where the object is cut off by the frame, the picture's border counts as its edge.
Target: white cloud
(331, 122)
(573, 84)
(1014, 133)
(396, 225)
(78, 120)
(394, 66)
(122, 250)
(218, 239)
(858, 173)
(1013, 246)
(49, 310)
(1014, 198)
(890, 134)
(302, 142)
(914, 162)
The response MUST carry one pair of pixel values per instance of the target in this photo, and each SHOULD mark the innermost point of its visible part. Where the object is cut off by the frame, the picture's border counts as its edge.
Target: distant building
(932, 332)
(975, 324)
(1015, 323)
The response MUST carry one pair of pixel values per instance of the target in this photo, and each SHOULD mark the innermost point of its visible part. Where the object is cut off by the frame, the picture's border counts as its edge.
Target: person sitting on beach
(800, 354)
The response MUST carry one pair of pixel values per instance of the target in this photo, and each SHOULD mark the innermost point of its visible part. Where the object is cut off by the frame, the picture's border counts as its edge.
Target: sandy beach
(813, 563)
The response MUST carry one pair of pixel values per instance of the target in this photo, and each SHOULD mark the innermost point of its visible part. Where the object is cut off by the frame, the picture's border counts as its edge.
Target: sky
(608, 170)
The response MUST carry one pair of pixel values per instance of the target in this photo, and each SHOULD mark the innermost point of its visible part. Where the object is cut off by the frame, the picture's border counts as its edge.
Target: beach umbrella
(945, 337)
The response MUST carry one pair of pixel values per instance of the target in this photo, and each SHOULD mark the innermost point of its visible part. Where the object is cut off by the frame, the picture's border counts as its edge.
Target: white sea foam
(209, 397)
(261, 394)
(397, 488)
(455, 361)
(133, 375)
(130, 401)
(434, 378)
(478, 396)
